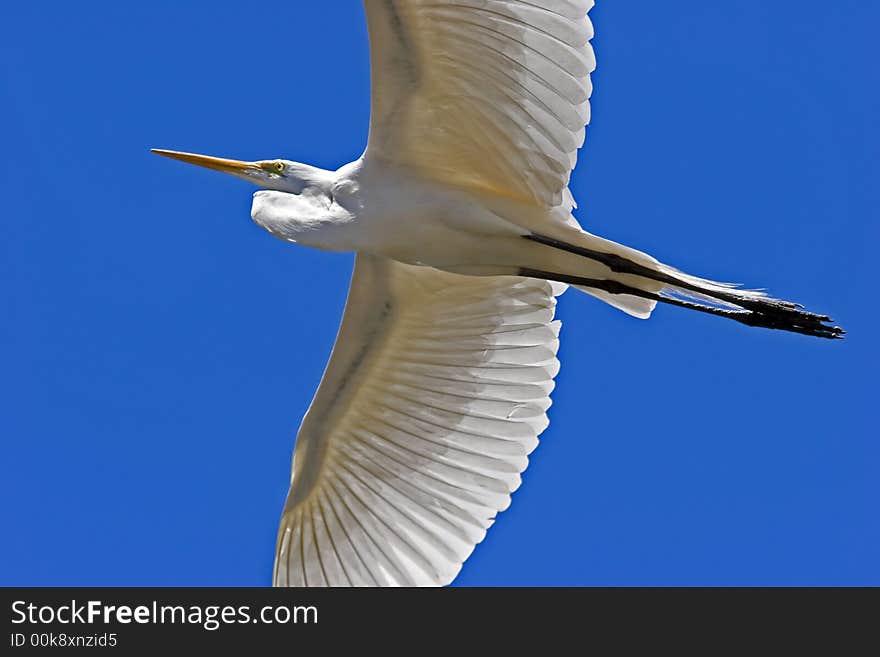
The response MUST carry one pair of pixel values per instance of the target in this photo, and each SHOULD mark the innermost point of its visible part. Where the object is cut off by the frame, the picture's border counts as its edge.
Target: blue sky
(159, 349)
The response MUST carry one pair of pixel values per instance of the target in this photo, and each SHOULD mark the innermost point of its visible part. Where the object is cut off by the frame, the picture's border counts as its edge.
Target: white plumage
(460, 215)
(484, 93)
(434, 397)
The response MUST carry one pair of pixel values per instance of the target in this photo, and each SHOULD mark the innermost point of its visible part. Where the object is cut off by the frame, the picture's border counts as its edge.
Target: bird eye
(278, 166)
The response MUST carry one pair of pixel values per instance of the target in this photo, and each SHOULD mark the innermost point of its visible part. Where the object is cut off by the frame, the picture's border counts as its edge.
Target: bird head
(277, 175)
(295, 200)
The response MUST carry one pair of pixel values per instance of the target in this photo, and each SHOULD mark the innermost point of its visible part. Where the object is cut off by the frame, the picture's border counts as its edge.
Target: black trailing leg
(763, 312)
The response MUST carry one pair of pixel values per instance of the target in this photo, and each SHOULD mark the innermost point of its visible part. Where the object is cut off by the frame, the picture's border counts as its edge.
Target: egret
(460, 217)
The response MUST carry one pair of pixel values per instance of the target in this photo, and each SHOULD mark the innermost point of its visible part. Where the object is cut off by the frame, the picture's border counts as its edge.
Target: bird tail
(635, 282)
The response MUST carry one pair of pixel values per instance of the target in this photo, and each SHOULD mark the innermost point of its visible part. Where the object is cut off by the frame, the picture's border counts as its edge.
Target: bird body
(461, 218)
(370, 207)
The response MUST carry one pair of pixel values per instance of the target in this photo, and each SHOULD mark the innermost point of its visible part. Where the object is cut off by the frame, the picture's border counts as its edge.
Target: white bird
(461, 218)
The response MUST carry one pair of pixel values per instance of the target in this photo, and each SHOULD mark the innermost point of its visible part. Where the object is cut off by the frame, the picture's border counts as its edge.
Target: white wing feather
(434, 397)
(491, 94)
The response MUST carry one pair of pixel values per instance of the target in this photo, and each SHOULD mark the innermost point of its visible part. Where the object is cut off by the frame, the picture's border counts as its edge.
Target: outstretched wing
(492, 94)
(434, 397)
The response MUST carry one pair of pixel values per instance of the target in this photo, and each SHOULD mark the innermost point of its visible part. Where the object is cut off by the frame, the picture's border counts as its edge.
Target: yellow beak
(216, 163)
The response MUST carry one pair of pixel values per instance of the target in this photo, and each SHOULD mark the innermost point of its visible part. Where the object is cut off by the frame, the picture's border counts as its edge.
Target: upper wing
(492, 94)
(433, 398)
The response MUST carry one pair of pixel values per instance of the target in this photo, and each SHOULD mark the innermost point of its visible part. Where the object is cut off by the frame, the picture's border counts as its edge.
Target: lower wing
(434, 396)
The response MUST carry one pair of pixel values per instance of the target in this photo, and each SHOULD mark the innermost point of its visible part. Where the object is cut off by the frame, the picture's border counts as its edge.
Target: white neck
(309, 206)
